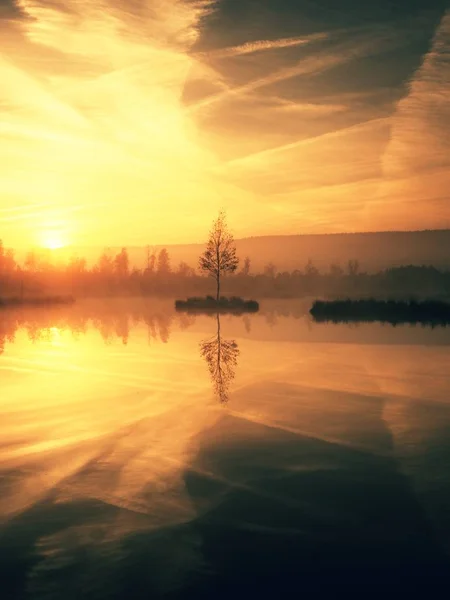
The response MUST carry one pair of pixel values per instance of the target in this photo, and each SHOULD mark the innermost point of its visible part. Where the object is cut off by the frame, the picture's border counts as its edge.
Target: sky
(133, 122)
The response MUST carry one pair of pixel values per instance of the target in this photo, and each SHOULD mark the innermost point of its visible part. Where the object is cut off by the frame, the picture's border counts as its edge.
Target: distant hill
(373, 250)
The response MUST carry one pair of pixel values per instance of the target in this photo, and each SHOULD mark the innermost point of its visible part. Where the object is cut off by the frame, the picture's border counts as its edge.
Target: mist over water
(126, 469)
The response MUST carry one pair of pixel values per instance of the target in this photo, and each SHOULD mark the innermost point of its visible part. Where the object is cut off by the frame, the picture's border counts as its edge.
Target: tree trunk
(218, 288)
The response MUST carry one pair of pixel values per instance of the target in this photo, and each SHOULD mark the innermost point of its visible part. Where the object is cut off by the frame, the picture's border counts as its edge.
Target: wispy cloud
(341, 50)
(304, 67)
(173, 23)
(101, 117)
(419, 134)
(307, 108)
(261, 45)
(108, 103)
(416, 163)
(265, 155)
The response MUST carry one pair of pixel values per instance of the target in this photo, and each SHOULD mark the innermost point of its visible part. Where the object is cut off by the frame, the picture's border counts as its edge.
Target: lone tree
(219, 258)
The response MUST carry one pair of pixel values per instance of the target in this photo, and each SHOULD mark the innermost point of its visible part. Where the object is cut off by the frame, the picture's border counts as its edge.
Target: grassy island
(223, 305)
(428, 312)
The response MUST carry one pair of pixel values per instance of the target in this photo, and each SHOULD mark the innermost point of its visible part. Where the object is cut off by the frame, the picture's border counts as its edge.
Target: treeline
(114, 275)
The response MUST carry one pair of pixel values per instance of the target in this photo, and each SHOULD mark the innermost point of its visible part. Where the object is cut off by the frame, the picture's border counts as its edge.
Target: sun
(52, 240)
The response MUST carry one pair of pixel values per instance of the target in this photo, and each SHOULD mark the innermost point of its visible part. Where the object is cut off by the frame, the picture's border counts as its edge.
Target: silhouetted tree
(106, 263)
(122, 263)
(353, 267)
(221, 357)
(246, 267)
(31, 261)
(184, 270)
(76, 265)
(7, 262)
(336, 270)
(270, 270)
(220, 257)
(310, 269)
(163, 262)
(10, 261)
(150, 261)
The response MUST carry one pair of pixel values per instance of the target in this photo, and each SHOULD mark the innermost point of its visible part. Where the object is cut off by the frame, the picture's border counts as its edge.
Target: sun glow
(125, 117)
(52, 240)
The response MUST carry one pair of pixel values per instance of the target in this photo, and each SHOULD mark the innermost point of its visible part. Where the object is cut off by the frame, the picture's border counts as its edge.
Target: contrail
(304, 67)
(363, 45)
(423, 112)
(307, 142)
(261, 45)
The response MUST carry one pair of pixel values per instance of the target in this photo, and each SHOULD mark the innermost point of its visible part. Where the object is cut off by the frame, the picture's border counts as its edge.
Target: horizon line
(237, 239)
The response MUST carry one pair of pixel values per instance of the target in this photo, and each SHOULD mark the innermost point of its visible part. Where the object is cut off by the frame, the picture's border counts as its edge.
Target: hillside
(373, 250)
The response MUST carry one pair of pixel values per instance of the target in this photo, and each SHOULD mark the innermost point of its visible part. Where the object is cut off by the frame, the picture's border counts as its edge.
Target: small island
(210, 304)
(396, 312)
(218, 259)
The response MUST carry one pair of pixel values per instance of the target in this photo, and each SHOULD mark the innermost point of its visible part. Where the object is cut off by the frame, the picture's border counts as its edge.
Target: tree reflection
(221, 357)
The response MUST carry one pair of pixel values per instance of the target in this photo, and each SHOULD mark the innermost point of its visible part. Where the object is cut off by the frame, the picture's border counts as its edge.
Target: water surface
(145, 453)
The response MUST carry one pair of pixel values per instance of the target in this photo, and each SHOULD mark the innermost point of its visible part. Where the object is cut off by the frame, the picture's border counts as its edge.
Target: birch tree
(219, 257)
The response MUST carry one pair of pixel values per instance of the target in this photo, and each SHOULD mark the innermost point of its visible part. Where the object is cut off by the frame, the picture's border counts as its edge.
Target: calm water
(148, 454)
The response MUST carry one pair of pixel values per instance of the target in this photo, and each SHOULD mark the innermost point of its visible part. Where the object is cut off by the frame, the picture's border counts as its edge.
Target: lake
(150, 454)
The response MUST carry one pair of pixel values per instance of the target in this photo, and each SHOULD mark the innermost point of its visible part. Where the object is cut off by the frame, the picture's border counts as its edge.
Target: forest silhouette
(40, 274)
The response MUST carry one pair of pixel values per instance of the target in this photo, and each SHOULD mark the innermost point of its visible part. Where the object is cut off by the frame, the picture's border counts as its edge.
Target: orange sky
(133, 123)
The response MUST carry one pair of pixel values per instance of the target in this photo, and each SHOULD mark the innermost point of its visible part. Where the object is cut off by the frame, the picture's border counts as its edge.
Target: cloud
(421, 198)
(304, 67)
(261, 45)
(419, 134)
(92, 26)
(308, 108)
(108, 101)
(8, 9)
(264, 156)
(92, 111)
(341, 48)
(416, 163)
